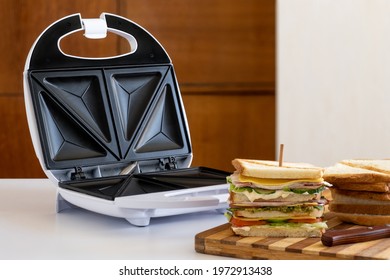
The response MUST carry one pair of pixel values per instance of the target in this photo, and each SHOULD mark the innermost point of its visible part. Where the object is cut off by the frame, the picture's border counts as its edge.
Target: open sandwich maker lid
(112, 132)
(104, 114)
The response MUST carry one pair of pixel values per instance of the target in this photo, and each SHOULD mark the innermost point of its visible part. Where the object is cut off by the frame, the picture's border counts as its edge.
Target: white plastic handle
(165, 202)
(96, 28)
(189, 198)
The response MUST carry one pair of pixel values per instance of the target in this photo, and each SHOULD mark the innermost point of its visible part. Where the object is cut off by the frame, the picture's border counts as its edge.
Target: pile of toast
(361, 191)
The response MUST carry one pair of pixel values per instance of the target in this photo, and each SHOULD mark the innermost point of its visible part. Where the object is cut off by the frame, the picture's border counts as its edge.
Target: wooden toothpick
(281, 155)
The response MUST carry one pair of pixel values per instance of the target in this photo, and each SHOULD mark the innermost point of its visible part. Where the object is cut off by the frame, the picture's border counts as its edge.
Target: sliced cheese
(252, 195)
(276, 182)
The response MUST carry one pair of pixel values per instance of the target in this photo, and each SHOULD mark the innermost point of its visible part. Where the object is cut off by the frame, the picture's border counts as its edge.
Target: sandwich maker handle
(46, 53)
(208, 197)
(346, 236)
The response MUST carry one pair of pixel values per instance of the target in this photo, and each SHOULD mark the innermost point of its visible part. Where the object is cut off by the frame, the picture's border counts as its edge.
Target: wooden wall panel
(224, 56)
(224, 127)
(213, 44)
(23, 21)
(17, 155)
(223, 52)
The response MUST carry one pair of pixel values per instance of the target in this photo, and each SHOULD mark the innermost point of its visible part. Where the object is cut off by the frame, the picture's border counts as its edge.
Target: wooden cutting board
(221, 241)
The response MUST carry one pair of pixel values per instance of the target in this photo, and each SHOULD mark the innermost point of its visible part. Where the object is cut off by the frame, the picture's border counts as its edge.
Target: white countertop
(30, 228)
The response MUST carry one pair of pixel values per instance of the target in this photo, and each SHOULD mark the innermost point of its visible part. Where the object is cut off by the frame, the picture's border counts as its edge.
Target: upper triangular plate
(66, 139)
(163, 131)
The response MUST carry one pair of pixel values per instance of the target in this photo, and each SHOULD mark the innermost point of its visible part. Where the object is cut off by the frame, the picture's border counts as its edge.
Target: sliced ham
(278, 203)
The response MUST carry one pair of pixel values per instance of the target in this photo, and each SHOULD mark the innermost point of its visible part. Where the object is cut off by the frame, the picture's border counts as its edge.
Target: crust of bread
(375, 196)
(360, 208)
(363, 219)
(275, 231)
(379, 165)
(342, 198)
(344, 174)
(371, 187)
(271, 170)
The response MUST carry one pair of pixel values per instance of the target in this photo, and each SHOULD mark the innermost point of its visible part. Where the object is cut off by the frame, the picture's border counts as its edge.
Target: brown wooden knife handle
(338, 237)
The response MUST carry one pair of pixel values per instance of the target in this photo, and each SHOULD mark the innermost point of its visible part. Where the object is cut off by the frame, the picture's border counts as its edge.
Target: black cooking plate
(94, 112)
(111, 187)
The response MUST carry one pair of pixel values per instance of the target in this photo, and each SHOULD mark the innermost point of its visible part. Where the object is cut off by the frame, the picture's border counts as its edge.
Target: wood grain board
(221, 241)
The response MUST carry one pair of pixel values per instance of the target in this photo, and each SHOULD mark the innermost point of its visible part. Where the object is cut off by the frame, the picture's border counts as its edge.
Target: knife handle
(345, 236)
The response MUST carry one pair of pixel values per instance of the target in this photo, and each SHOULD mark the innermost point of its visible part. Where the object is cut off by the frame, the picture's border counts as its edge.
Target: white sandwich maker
(112, 133)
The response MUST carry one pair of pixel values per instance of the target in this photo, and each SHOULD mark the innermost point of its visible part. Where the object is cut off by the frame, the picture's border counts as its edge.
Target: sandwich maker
(112, 132)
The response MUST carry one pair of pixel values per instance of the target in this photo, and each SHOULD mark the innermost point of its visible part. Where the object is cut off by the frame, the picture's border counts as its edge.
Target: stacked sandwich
(361, 191)
(276, 201)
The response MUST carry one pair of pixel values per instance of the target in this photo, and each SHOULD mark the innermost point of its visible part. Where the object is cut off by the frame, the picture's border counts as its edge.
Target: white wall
(333, 79)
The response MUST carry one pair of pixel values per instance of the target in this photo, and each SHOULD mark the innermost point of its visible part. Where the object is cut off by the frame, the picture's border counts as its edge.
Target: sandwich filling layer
(255, 189)
(276, 215)
(279, 213)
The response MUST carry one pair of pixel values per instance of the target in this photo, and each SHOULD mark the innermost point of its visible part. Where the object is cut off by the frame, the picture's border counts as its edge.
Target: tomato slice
(237, 222)
(305, 221)
(242, 223)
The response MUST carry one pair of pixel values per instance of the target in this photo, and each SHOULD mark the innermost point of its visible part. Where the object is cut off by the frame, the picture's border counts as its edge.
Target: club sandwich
(276, 201)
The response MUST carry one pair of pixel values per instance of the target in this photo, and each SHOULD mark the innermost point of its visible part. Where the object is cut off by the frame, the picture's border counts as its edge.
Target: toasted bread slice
(303, 231)
(379, 165)
(377, 196)
(341, 173)
(363, 219)
(362, 204)
(271, 170)
(382, 187)
(360, 208)
(360, 192)
(357, 197)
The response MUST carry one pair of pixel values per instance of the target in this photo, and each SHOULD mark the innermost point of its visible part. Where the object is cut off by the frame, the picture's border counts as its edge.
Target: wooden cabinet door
(223, 52)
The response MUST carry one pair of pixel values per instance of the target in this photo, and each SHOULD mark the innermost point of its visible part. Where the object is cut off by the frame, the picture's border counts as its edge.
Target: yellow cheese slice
(276, 182)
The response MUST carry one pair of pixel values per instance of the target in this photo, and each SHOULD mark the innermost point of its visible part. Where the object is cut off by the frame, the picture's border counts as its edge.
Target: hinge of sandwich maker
(78, 174)
(168, 163)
